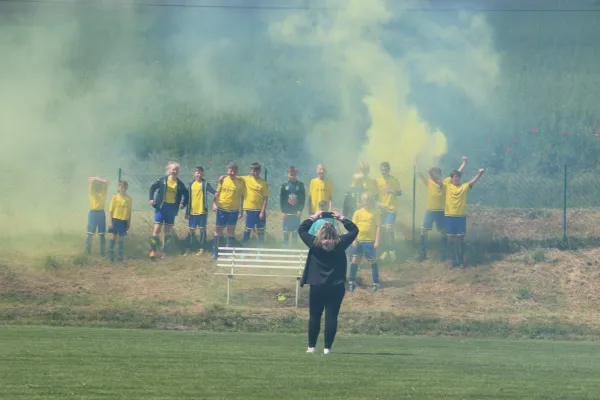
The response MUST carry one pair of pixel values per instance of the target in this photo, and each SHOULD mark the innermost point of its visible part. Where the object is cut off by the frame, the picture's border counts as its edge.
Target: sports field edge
(241, 319)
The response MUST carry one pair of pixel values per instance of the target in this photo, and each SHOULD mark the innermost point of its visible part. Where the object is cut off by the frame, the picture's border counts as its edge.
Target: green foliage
(523, 293)
(80, 259)
(51, 262)
(538, 256)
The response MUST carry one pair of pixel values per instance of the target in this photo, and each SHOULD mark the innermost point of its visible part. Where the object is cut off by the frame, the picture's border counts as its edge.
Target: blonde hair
(171, 164)
(327, 236)
(367, 200)
(323, 205)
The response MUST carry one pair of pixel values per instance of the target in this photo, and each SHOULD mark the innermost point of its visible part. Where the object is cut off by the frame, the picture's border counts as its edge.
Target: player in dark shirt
(292, 199)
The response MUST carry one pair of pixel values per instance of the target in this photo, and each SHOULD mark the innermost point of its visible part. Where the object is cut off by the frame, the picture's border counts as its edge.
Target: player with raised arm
(456, 212)
(434, 211)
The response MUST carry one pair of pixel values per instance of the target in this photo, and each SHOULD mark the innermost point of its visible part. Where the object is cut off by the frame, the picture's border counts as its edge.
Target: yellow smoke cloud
(358, 65)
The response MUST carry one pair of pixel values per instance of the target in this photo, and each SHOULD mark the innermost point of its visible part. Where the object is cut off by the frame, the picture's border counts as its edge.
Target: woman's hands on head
(316, 215)
(337, 216)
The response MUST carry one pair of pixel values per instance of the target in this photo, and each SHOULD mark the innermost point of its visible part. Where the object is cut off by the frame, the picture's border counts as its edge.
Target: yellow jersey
(197, 199)
(120, 207)
(367, 185)
(171, 191)
(368, 221)
(98, 195)
(256, 191)
(456, 199)
(231, 193)
(387, 192)
(436, 194)
(320, 190)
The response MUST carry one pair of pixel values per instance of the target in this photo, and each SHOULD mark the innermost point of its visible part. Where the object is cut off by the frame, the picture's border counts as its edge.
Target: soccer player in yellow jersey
(167, 195)
(320, 189)
(434, 212)
(197, 211)
(368, 220)
(119, 216)
(456, 212)
(228, 205)
(96, 216)
(255, 203)
(389, 190)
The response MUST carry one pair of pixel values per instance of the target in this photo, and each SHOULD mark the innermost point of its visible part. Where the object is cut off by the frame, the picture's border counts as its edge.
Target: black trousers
(328, 298)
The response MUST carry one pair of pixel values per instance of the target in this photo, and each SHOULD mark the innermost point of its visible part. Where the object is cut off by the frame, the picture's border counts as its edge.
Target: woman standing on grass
(325, 272)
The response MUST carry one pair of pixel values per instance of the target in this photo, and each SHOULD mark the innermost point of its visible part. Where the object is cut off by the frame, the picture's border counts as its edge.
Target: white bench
(240, 261)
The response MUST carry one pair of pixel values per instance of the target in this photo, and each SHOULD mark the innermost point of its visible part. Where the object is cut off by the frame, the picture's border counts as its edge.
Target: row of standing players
(372, 202)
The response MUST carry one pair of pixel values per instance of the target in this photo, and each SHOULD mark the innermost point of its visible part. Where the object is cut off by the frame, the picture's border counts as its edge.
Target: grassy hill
(517, 285)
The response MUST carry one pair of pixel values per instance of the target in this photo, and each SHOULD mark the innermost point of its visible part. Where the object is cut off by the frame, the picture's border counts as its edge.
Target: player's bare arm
(476, 178)
(463, 164)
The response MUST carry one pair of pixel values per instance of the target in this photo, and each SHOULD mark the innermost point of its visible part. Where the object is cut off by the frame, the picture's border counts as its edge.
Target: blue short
(253, 220)
(388, 217)
(96, 222)
(226, 218)
(166, 214)
(456, 225)
(119, 227)
(291, 223)
(197, 221)
(432, 216)
(366, 249)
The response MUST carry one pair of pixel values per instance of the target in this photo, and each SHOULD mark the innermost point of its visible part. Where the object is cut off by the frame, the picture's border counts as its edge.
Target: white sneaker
(326, 351)
(310, 350)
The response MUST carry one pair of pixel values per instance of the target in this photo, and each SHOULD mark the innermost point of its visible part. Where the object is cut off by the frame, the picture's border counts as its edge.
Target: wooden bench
(269, 263)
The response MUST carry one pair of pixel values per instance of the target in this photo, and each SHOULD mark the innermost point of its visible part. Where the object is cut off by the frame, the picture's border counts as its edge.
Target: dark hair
(232, 165)
(199, 169)
(292, 168)
(385, 164)
(255, 165)
(124, 185)
(436, 170)
(455, 173)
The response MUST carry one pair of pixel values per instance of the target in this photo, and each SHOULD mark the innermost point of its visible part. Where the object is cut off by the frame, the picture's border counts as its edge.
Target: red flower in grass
(534, 130)
(598, 134)
(210, 161)
(549, 146)
(488, 139)
(509, 149)
(565, 133)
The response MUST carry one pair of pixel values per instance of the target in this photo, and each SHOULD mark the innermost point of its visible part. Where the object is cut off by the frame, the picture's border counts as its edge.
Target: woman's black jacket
(325, 267)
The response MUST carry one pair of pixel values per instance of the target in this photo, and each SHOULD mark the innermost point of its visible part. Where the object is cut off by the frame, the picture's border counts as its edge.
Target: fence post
(266, 175)
(414, 205)
(565, 207)
(120, 174)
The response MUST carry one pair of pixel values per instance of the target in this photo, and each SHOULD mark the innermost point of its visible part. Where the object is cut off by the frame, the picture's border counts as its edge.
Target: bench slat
(260, 275)
(261, 249)
(256, 266)
(250, 260)
(257, 254)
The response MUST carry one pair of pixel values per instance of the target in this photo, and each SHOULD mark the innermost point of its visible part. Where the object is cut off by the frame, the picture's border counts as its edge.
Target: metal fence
(524, 206)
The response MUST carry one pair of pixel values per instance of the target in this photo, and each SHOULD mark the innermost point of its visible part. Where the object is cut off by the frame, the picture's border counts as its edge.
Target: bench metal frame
(261, 259)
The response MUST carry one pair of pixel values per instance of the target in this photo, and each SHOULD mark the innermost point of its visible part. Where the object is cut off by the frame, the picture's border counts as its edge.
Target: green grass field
(84, 363)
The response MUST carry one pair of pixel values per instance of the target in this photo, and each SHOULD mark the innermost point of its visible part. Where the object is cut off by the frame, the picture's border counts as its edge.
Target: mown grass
(58, 363)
